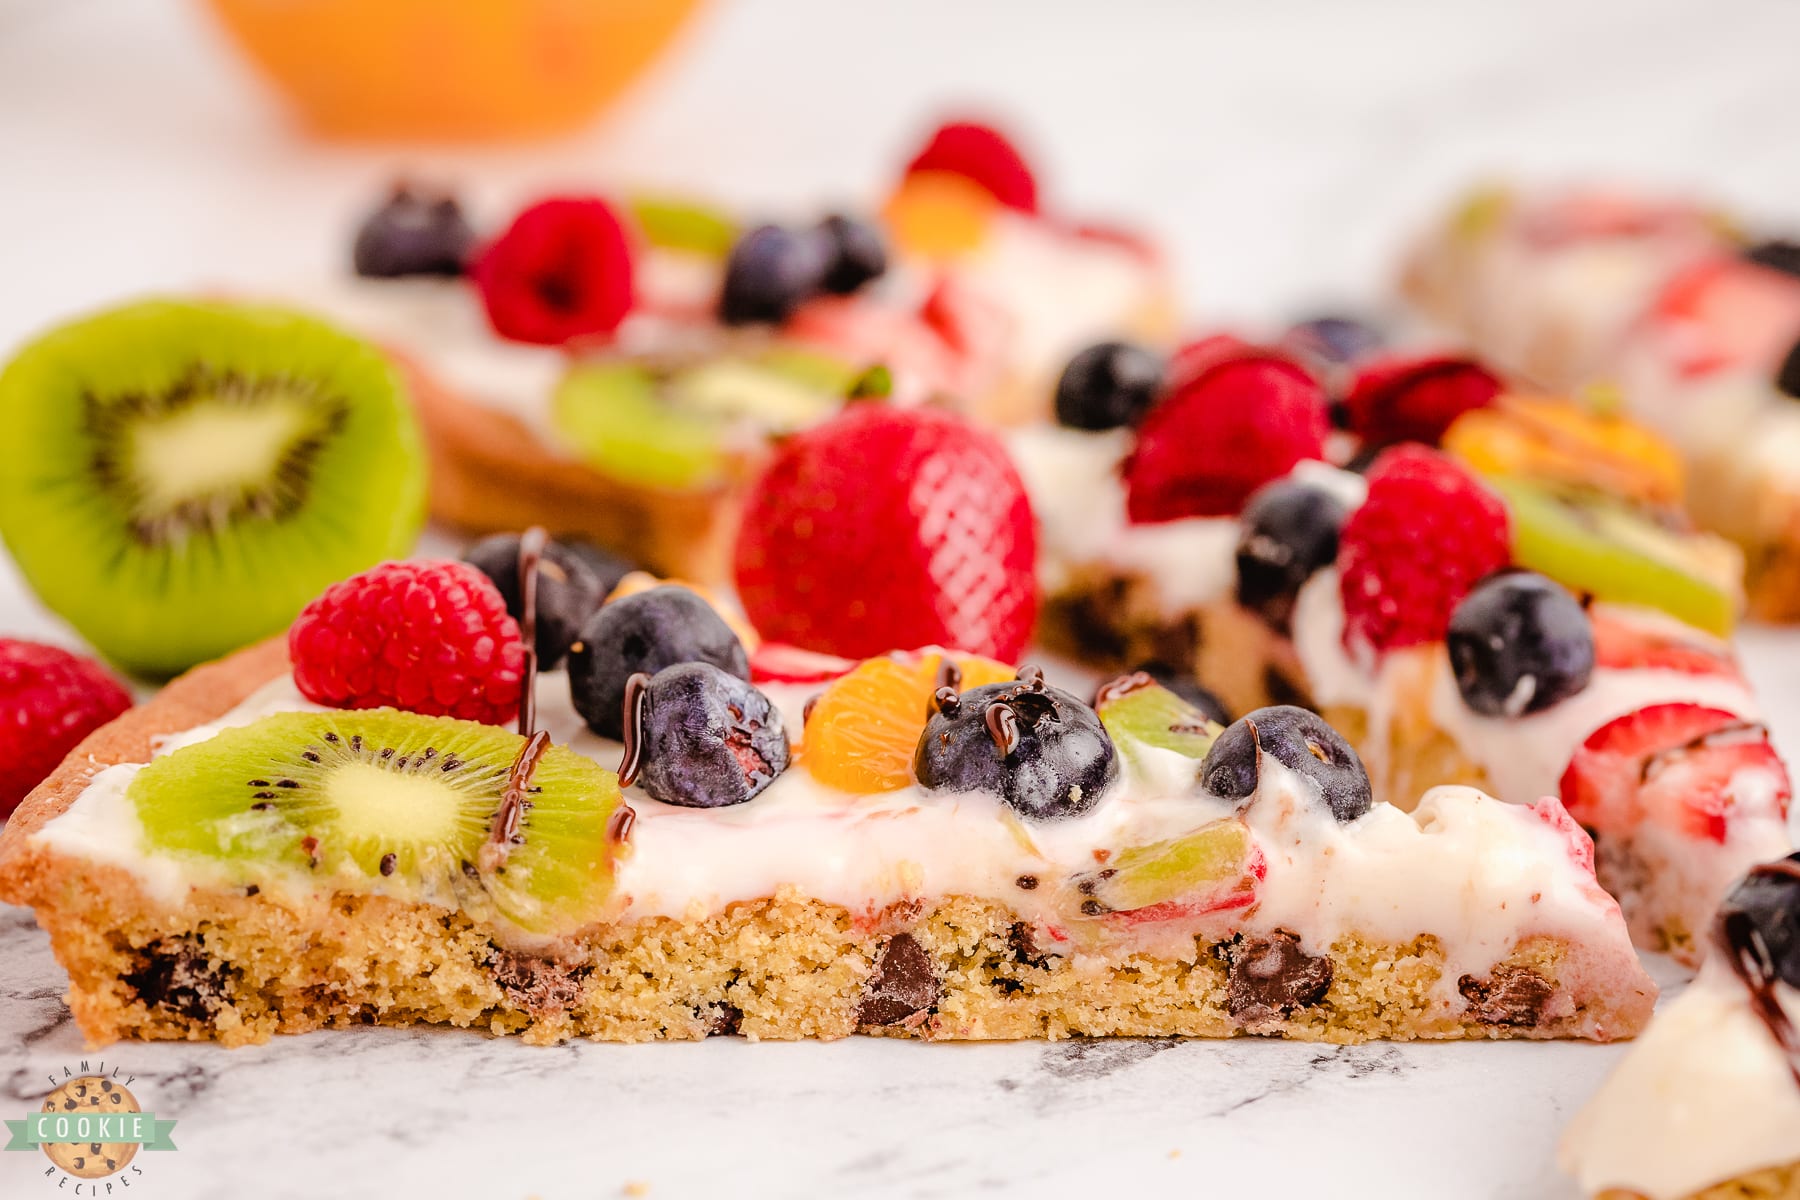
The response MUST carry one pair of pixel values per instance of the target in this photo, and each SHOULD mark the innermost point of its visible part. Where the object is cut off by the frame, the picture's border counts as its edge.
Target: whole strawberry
(1234, 418)
(52, 699)
(431, 637)
(1427, 533)
(889, 528)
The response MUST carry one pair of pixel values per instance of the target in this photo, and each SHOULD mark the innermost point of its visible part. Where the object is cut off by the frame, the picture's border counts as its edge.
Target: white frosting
(1476, 873)
(1704, 1096)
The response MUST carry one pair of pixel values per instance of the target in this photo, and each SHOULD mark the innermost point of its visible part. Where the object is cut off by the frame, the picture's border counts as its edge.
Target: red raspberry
(431, 637)
(1427, 533)
(561, 271)
(888, 528)
(1221, 432)
(984, 155)
(1400, 399)
(51, 700)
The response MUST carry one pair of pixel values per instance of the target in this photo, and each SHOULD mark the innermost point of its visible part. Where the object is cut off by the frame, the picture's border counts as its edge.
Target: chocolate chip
(726, 1019)
(179, 976)
(538, 985)
(1513, 996)
(1023, 944)
(1269, 976)
(904, 987)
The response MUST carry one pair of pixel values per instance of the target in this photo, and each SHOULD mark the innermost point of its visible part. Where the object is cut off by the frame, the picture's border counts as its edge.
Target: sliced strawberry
(1680, 766)
(1550, 811)
(780, 662)
(1593, 215)
(1627, 647)
(1726, 313)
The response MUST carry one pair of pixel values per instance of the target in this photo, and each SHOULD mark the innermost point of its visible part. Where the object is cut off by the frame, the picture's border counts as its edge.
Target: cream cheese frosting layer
(1477, 874)
(1705, 1095)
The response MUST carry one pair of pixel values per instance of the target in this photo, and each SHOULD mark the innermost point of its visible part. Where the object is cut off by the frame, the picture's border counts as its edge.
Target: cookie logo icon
(91, 1128)
(87, 1095)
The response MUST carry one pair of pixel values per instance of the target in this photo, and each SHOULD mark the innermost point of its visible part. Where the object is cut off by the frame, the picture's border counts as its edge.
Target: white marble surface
(1282, 148)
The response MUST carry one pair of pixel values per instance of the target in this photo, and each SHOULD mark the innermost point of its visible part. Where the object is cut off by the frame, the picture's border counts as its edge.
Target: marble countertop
(1284, 151)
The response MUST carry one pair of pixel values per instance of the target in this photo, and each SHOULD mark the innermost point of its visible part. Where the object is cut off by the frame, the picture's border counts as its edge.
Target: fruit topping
(699, 737)
(1288, 531)
(427, 636)
(607, 568)
(772, 269)
(1299, 740)
(983, 155)
(1107, 385)
(567, 591)
(778, 662)
(1219, 434)
(645, 632)
(1761, 918)
(1414, 399)
(1558, 442)
(1213, 868)
(862, 730)
(887, 527)
(52, 699)
(1427, 532)
(857, 254)
(562, 271)
(413, 233)
(1628, 645)
(1777, 255)
(683, 225)
(1680, 766)
(939, 215)
(177, 479)
(1187, 687)
(1595, 545)
(1038, 748)
(1724, 313)
(395, 803)
(1333, 341)
(1137, 711)
(1268, 976)
(1519, 644)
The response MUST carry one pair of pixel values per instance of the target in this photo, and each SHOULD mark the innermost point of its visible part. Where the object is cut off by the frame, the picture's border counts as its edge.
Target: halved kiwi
(391, 802)
(178, 478)
(678, 427)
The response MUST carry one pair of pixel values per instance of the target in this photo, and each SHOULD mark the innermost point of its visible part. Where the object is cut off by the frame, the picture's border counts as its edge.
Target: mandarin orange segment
(1555, 441)
(862, 730)
(937, 214)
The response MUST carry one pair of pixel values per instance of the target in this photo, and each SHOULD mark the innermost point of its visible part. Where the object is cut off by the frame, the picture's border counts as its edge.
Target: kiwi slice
(669, 223)
(1208, 867)
(1137, 711)
(1597, 545)
(179, 478)
(390, 802)
(681, 427)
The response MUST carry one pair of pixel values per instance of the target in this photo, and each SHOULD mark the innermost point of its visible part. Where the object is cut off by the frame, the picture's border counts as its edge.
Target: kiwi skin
(158, 580)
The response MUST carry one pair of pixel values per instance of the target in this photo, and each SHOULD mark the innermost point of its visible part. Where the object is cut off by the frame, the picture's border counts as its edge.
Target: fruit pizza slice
(1473, 614)
(339, 830)
(1707, 1105)
(1660, 298)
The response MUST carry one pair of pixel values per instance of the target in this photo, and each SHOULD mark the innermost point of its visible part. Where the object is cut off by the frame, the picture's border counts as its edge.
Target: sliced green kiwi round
(679, 427)
(179, 478)
(391, 802)
(670, 223)
(1600, 546)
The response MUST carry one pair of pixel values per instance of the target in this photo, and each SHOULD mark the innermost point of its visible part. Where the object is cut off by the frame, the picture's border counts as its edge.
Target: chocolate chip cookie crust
(238, 966)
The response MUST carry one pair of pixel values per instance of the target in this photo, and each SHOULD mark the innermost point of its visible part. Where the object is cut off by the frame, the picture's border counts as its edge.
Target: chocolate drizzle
(637, 696)
(531, 552)
(1755, 967)
(505, 833)
(1124, 685)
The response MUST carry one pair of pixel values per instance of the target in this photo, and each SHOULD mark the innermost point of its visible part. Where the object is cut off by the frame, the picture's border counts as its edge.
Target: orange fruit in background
(862, 730)
(938, 214)
(450, 69)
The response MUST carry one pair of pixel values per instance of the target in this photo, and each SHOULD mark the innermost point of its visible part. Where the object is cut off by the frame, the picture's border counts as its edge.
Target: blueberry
(1038, 748)
(1190, 689)
(1288, 530)
(567, 592)
(413, 234)
(702, 738)
(1761, 918)
(770, 272)
(1108, 385)
(1334, 341)
(1787, 377)
(648, 631)
(1519, 644)
(1777, 255)
(1299, 740)
(858, 253)
(607, 567)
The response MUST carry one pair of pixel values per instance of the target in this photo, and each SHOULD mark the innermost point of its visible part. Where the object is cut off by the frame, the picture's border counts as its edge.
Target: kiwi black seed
(394, 802)
(179, 478)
